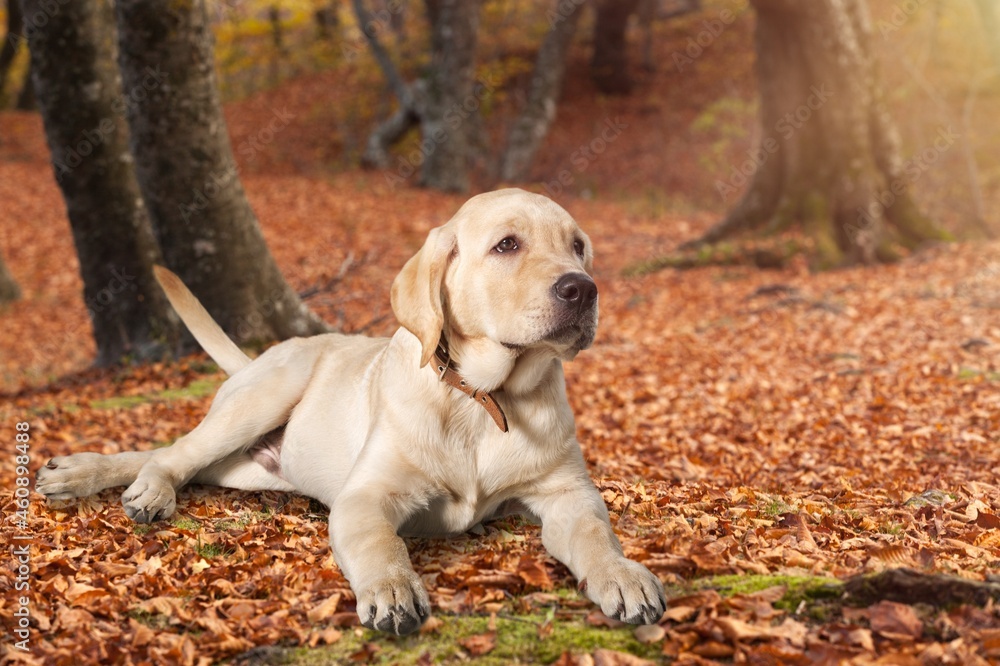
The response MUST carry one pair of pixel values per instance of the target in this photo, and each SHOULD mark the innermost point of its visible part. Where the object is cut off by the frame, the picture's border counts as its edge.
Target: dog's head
(507, 276)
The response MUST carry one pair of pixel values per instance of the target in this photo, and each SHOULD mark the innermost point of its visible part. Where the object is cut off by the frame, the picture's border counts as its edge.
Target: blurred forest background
(864, 132)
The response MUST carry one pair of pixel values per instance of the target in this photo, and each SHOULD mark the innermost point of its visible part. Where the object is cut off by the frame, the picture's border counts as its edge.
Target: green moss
(817, 223)
(152, 620)
(186, 523)
(809, 589)
(50, 408)
(517, 642)
(245, 518)
(891, 527)
(775, 254)
(930, 497)
(887, 252)
(914, 227)
(968, 374)
(212, 550)
(123, 402)
(776, 507)
(199, 388)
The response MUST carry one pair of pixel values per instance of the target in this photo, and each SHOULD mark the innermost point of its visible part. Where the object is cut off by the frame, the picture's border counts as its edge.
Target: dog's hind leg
(252, 403)
(242, 472)
(82, 474)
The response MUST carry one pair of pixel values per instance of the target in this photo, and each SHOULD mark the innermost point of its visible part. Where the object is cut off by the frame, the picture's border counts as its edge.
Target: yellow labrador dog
(460, 415)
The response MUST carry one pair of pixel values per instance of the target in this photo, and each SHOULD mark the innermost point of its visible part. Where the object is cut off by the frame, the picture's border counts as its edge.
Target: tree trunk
(26, 98)
(445, 103)
(907, 586)
(79, 93)
(327, 18)
(652, 11)
(277, 30)
(531, 127)
(609, 66)
(11, 42)
(829, 153)
(444, 117)
(389, 132)
(9, 291)
(184, 162)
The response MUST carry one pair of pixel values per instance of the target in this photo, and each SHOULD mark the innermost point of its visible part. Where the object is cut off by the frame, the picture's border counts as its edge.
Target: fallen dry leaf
(479, 644)
(596, 618)
(895, 621)
(739, 631)
(650, 633)
(324, 610)
(603, 657)
(327, 636)
(986, 520)
(680, 613)
(533, 573)
(432, 624)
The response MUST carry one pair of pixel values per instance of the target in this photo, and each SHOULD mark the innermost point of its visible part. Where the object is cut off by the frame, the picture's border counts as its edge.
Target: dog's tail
(205, 330)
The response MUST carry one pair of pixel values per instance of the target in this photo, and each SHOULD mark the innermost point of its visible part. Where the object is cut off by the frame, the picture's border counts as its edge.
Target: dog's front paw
(72, 476)
(628, 592)
(148, 500)
(396, 603)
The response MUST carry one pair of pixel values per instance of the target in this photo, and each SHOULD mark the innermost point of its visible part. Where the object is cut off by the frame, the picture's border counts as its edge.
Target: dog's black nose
(576, 290)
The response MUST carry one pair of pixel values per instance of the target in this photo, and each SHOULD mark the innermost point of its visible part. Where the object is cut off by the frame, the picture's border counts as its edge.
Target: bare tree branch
(533, 124)
(370, 27)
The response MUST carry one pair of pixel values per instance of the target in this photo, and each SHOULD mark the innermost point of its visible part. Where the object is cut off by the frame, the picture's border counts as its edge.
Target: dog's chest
(476, 475)
(452, 512)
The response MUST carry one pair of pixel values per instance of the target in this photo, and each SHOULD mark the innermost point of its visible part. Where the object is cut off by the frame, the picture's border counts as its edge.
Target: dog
(459, 416)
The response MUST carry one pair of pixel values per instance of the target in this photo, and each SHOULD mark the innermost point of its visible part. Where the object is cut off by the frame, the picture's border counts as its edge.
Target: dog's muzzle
(576, 296)
(576, 292)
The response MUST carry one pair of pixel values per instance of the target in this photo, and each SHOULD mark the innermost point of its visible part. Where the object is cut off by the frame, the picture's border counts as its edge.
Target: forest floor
(760, 437)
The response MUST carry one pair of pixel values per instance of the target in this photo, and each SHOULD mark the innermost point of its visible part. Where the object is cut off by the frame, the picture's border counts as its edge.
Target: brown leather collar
(447, 374)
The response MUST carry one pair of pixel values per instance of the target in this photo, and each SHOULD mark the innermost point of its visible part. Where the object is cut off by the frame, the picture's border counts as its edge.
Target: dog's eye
(578, 247)
(508, 244)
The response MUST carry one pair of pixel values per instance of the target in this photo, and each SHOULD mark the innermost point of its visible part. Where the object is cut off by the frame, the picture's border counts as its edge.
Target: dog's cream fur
(370, 430)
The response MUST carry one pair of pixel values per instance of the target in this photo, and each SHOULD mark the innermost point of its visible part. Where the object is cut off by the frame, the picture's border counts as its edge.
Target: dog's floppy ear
(416, 295)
